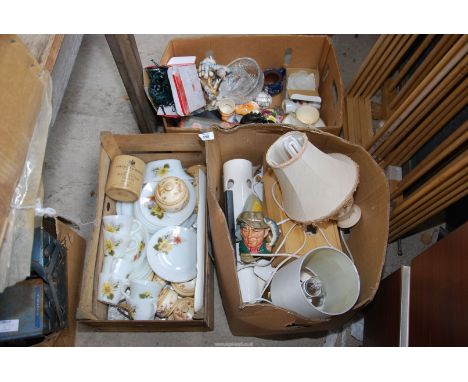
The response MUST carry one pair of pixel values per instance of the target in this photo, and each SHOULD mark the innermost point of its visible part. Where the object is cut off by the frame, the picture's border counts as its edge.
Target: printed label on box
(208, 136)
(7, 326)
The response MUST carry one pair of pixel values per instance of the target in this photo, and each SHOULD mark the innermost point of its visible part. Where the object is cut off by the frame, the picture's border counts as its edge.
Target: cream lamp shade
(316, 186)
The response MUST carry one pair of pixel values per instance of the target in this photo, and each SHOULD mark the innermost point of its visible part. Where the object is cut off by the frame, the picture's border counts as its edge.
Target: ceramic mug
(121, 269)
(110, 289)
(107, 264)
(120, 224)
(115, 245)
(139, 309)
(143, 290)
(135, 249)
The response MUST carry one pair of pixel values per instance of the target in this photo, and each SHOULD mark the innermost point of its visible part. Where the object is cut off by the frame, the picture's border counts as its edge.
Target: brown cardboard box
(367, 241)
(315, 52)
(149, 147)
(22, 84)
(75, 245)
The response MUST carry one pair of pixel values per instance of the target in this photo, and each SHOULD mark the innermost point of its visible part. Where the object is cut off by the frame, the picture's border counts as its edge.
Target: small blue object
(274, 81)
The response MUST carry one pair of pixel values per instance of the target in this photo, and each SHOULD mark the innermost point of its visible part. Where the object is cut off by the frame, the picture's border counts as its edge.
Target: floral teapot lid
(171, 194)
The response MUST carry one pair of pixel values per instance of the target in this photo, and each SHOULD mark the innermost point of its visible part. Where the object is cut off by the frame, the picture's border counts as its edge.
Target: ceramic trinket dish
(166, 302)
(186, 289)
(258, 235)
(171, 194)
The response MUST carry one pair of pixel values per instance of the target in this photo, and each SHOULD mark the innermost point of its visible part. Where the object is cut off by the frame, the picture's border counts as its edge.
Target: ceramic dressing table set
(154, 246)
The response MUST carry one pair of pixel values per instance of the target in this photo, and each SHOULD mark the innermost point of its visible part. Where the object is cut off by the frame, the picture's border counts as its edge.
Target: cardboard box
(314, 52)
(29, 318)
(149, 147)
(367, 241)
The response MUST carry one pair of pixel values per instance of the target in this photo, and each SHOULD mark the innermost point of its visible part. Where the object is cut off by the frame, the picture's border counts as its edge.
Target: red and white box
(185, 85)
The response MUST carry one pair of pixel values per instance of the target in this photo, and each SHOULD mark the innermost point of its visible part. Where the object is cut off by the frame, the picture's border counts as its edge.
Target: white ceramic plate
(160, 169)
(151, 228)
(165, 219)
(172, 254)
(141, 272)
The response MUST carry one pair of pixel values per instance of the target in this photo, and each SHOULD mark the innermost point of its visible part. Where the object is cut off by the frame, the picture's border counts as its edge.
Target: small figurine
(211, 75)
(258, 235)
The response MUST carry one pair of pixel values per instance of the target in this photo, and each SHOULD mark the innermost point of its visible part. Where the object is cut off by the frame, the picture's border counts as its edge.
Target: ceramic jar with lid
(172, 194)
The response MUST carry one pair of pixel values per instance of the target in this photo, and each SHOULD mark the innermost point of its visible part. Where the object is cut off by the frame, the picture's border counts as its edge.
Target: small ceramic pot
(226, 108)
(171, 194)
(125, 178)
(166, 302)
(186, 289)
(183, 309)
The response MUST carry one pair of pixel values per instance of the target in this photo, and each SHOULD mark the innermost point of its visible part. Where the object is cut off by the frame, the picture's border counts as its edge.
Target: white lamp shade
(315, 185)
(338, 277)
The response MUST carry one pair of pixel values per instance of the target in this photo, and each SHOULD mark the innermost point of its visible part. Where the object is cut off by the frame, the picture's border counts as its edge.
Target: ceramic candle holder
(171, 194)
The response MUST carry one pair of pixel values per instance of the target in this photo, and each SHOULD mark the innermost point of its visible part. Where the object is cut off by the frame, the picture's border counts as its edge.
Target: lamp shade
(315, 185)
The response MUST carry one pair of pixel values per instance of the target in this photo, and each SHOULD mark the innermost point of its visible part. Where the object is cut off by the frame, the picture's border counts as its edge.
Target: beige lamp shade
(315, 185)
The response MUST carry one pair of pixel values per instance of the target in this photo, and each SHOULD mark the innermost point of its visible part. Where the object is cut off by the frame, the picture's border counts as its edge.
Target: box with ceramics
(154, 246)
